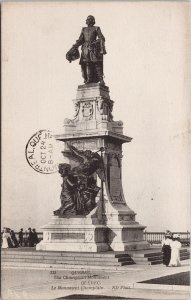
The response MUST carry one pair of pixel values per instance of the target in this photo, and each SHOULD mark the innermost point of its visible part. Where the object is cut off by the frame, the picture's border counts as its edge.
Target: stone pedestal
(112, 224)
(74, 234)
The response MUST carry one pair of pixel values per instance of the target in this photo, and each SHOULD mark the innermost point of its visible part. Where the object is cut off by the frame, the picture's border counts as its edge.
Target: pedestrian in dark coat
(13, 237)
(21, 237)
(35, 237)
(166, 249)
(9, 239)
(30, 238)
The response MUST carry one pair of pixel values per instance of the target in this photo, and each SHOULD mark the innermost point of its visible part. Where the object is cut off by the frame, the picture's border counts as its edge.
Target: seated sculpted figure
(79, 187)
(67, 196)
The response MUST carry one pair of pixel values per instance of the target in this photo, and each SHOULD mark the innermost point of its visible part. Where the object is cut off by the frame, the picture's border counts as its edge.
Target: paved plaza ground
(53, 283)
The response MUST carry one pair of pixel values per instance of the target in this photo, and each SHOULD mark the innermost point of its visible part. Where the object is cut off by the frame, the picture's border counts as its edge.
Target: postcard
(95, 149)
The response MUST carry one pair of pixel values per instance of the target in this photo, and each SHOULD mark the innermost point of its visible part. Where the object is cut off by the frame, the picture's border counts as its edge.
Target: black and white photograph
(95, 154)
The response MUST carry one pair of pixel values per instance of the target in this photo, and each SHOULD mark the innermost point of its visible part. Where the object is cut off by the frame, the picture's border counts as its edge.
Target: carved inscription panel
(67, 235)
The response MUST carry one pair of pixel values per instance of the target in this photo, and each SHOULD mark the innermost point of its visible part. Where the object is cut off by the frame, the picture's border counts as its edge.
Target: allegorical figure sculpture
(79, 188)
(67, 196)
(93, 48)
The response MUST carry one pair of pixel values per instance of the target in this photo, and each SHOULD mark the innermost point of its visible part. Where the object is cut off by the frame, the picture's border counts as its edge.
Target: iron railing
(157, 237)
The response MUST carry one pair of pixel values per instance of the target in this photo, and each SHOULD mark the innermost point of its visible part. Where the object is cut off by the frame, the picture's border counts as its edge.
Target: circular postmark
(40, 152)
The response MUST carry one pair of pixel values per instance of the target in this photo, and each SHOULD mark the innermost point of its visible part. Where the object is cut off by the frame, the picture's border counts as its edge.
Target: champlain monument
(93, 215)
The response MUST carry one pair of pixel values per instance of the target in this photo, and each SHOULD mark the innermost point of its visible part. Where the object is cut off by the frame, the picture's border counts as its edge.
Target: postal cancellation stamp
(40, 152)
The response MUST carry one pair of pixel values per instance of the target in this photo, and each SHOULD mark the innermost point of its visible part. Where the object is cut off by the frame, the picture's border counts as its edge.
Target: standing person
(9, 239)
(6, 235)
(166, 249)
(14, 239)
(175, 251)
(26, 238)
(35, 237)
(21, 237)
(30, 238)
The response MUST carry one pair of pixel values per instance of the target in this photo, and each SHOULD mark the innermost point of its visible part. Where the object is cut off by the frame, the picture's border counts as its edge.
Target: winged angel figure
(79, 188)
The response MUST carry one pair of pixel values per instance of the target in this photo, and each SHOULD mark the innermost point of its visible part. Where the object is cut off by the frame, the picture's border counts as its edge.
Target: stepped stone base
(154, 256)
(28, 257)
(106, 259)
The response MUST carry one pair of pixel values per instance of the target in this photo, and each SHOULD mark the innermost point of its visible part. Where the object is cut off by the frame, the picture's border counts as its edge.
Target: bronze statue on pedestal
(93, 48)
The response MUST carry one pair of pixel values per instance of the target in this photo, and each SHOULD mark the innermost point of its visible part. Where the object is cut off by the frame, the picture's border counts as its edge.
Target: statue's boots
(89, 73)
(99, 71)
(83, 69)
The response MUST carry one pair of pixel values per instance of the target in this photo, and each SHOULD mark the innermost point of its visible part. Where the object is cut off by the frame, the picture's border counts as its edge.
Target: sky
(147, 71)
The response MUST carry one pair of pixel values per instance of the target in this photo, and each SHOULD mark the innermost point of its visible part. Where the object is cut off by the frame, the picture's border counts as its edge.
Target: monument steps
(19, 256)
(149, 255)
(184, 254)
(154, 258)
(146, 262)
(32, 252)
(68, 256)
(39, 258)
(183, 257)
(63, 266)
(16, 252)
(77, 262)
(184, 250)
